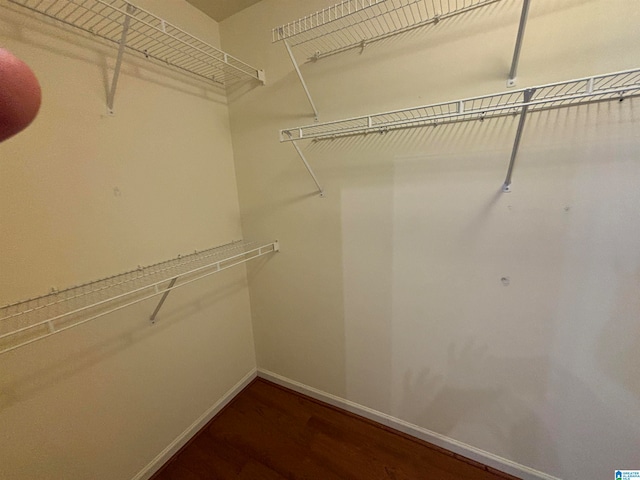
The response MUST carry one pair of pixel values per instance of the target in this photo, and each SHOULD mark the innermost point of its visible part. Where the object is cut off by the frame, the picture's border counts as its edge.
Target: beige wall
(388, 291)
(84, 195)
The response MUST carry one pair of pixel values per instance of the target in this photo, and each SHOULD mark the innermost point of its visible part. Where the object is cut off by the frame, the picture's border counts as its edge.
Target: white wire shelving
(553, 95)
(28, 321)
(354, 23)
(610, 86)
(137, 30)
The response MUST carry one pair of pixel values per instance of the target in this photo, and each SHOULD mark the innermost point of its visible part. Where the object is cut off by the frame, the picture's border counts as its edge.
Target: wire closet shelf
(354, 23)
(27, 321)
(147, 35)
(608, 86)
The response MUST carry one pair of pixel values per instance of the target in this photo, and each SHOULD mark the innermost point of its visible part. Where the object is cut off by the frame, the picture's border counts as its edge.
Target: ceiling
(221, 9)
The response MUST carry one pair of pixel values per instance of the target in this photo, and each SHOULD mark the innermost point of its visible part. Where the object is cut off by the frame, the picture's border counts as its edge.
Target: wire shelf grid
(148, 35)
(353, 23)
(555, 95)
(27, 321)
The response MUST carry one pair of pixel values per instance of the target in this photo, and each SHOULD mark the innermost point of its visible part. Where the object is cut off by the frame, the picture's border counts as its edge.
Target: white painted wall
(83, 196)
(388, 291)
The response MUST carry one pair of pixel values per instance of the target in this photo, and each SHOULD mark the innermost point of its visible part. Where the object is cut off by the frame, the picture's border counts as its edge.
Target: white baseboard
(434, 438)
(165, 455)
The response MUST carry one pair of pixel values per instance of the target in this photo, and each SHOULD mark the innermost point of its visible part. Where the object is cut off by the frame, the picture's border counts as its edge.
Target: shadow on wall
(237, 90)
(445, 404)
(256, 266)
(512, 392)
(617, 351)
(45, 371)
(442, 404)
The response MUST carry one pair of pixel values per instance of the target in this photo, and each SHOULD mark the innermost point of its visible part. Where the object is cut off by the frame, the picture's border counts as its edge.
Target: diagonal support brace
(516, 52)
(528, 94)
(152, 319)
(306, 164)
(304, 84)
(116, 73)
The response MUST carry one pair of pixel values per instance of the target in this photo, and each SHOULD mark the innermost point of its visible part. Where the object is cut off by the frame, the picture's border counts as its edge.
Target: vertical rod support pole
(116, 72)
(304, 85)
(516, 52)
(306, 164)
(528, 94)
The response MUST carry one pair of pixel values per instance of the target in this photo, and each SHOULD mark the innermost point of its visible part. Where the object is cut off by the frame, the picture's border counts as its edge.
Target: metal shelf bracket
(116, 72)
(306, 164)
(304, 84)
(528, 94)
(511, 82)
(152, 319)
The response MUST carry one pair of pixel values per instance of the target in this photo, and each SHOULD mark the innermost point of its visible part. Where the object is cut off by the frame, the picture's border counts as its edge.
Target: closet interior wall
(84, 195)
(415, 287)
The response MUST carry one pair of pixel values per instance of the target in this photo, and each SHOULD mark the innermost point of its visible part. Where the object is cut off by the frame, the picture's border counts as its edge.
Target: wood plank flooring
(271, 433)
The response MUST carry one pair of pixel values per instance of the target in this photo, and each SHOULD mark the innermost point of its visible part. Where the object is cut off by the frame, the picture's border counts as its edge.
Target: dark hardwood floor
(270, 433)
